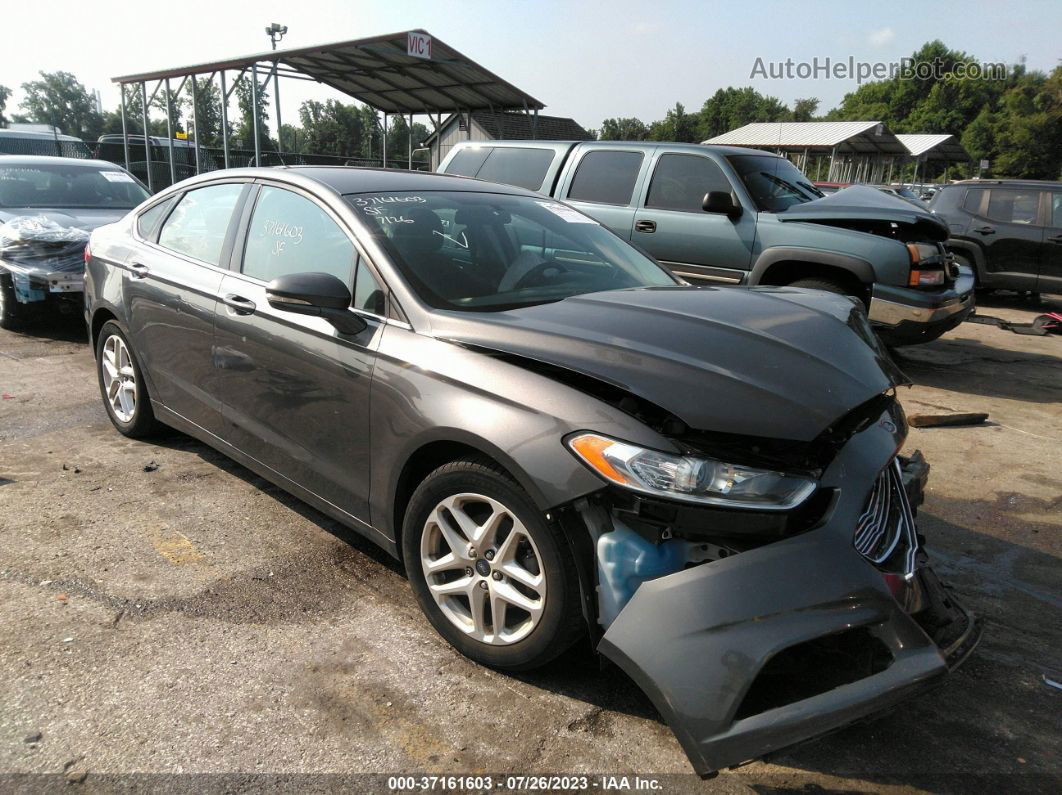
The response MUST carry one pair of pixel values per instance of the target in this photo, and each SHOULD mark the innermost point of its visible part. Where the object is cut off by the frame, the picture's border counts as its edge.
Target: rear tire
(494, 578)
(125, 395)
(12, 313)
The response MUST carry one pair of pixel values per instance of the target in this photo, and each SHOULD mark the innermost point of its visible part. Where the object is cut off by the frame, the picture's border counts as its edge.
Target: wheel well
(789, 271)
(98, 319)
(421, 464)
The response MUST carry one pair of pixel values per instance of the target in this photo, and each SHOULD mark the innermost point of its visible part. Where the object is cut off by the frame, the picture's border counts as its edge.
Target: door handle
(985, 230)
(645, 226)
(241, 305)
(139, 270)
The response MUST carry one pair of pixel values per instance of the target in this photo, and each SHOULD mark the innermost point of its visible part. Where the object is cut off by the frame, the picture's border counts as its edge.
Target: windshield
(773, 182)
(489, 252)
(68, 186)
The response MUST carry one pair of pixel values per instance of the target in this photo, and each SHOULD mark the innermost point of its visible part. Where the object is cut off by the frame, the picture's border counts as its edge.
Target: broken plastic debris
(1051, 682)
(151, 467)
(945, 420)
(68, 640)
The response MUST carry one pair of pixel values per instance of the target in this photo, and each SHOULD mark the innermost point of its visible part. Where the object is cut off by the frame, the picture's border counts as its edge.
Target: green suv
(726, 215)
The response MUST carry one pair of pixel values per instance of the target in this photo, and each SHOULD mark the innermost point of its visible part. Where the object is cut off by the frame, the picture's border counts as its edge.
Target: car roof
(43, 160)
(37, 134)
(1031, 183)
(353, 179)
(670, 145)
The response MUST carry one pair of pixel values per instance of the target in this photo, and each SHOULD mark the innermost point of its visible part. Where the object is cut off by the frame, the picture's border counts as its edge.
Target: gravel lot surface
(164, 610)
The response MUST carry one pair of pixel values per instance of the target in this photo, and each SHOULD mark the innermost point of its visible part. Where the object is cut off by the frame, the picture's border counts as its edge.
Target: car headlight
(680, 477)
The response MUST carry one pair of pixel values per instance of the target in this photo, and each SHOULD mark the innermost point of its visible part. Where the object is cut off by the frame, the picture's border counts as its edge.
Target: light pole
(276, 32)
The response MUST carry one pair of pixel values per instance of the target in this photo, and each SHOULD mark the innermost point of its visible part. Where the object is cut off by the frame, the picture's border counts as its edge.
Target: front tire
(12, 314)
(492, 576)
(828, 285)
(122, 386)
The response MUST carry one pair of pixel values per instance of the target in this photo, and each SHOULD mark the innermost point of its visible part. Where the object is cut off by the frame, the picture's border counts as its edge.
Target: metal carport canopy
(379, 72)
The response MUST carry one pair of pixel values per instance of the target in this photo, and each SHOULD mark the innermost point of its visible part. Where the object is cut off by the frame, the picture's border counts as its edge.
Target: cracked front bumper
(906, 316)
(697, 641)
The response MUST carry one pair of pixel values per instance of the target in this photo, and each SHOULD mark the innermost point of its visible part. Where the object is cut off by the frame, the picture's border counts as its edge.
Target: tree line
(1015, 123)
(330, 127)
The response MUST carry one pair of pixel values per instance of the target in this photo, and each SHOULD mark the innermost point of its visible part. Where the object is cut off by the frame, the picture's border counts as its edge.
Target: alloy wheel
(483, 569)
(119, 378)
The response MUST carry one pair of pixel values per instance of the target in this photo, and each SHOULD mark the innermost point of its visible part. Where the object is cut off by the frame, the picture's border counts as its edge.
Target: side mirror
(719, 201)
(318, 295)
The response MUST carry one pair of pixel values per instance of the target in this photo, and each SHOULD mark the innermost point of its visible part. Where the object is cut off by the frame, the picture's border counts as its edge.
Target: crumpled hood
(773, 362)
(87, 218)
(860, 203)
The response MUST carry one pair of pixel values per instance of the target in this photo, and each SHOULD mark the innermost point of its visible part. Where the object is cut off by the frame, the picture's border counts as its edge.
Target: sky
(582, 58)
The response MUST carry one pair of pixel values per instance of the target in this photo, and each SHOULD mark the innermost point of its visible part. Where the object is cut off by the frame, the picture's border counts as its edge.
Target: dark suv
(1008, 231)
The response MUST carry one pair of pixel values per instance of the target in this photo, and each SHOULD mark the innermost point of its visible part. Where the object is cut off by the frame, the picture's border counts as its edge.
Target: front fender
(427, 390)
(858, 267)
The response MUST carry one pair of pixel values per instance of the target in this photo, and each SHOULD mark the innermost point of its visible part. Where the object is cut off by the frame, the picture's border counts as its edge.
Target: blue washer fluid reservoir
(625, 560)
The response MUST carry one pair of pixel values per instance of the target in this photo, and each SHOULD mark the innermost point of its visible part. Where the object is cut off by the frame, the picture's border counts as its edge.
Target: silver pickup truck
(726, 215)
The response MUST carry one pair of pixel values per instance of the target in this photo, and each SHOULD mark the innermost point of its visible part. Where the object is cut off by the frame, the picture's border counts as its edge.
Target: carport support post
(254, 115)
(224, 119)
(410, 139)
(169, 134)
(125, 133)
(833, 159)
(195, 120)
(385, 140)
(276, 104)
(147, 137)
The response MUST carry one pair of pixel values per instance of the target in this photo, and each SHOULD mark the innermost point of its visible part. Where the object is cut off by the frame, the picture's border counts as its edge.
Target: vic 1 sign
(418, 45)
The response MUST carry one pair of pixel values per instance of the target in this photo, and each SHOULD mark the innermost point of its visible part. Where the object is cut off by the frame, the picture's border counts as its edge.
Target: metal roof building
(405, 73)
(935, 147)
(852, 151)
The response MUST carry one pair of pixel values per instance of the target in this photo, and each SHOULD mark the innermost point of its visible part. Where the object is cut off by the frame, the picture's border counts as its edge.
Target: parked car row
(48, 207)
(726, 215)
(559, 439)
(1008, 231)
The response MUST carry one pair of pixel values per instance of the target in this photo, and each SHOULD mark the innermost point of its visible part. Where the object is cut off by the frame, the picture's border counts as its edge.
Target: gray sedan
(559, 439)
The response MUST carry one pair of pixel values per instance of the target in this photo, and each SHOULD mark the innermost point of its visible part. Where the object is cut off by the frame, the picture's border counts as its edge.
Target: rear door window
(1014, 206)
(1056, 208)
(972, 201)
(681, 181)
(606, 177)
(524, 168)
(199, 223)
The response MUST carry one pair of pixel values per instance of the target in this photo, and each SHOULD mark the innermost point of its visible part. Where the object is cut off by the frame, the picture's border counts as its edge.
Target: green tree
(5, 92)
(804, 109)
(207, 112)
(677, 125)
(623, 129)
(60, 100)
(730, 108)
(245, 127)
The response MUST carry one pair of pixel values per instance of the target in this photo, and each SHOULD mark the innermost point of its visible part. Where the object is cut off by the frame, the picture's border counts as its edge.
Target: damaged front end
(44, 258)
(754, 629)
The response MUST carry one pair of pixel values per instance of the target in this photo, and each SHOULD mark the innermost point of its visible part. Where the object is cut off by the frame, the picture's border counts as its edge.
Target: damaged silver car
(48, 207)
(558, 439)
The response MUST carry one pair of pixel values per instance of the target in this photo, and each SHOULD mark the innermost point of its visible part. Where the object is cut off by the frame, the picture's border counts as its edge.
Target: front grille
(885, 534)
